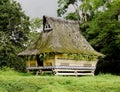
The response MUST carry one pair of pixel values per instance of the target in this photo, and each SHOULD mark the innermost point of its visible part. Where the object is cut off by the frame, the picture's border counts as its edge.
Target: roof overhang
(28, 52)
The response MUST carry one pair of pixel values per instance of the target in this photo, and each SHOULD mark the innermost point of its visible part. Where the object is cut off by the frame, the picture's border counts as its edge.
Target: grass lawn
(11, 81)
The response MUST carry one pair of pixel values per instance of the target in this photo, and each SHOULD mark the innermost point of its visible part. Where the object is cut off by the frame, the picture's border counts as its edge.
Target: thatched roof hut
(61, 41)
(60, 36)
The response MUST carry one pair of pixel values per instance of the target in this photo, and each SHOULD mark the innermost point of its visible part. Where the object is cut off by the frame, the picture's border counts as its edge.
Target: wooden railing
(65, 70)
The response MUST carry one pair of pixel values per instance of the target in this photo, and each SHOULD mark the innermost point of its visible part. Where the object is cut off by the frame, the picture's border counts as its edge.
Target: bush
(108, 65)
(18, 64)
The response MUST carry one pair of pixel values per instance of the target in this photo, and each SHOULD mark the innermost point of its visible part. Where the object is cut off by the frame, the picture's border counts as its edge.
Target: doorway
(39, 61)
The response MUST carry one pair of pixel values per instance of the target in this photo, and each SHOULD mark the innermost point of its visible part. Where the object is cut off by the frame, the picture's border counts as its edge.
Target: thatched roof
(29, 52)
(61, 36)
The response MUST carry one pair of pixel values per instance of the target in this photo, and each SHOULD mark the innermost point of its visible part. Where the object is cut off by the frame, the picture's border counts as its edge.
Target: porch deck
(65, 70)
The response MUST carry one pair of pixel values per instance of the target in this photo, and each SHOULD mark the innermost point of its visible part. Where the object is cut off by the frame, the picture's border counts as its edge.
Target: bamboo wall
(59, 60)
(67, 62)
(31, 63)
(49, 62)
(62, 61)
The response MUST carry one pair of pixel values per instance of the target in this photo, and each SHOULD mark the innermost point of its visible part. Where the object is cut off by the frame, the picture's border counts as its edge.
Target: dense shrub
(108, 65)
(16, 64)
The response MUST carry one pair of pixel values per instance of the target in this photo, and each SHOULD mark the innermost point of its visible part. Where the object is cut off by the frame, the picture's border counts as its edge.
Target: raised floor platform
(64, 70)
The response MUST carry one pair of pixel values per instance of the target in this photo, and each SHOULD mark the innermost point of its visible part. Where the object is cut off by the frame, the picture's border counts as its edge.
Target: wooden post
(75, 73)
(39, 71)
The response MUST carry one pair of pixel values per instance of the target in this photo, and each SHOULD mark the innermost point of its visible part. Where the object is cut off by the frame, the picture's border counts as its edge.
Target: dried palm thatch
(61, 36)
(29, 52)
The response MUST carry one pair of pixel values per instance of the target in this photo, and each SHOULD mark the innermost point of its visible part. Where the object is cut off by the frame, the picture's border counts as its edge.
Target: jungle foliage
(14, 30)
(100, 24)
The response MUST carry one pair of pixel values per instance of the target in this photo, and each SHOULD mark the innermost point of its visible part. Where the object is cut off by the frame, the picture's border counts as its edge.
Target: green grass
(11, 81)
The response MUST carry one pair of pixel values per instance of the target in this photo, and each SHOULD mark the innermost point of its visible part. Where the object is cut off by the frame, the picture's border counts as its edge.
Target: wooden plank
(74, 67)
(58, 70)
(65, 74)
(61, 67)
(75, 74)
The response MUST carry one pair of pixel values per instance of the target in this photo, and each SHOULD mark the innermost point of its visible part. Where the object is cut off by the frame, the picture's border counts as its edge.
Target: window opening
(46, 26)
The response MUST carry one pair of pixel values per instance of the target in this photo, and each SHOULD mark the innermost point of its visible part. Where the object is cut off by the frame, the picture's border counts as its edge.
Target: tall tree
(84, 9)
(104, 31)
(14, 28)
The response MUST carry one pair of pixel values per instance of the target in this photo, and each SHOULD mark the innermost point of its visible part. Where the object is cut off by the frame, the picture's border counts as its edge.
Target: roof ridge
(60, 20)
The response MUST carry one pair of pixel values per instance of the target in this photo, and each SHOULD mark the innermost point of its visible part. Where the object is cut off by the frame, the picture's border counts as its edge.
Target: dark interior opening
(39, 61)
